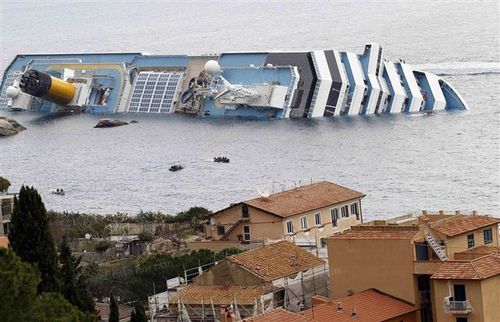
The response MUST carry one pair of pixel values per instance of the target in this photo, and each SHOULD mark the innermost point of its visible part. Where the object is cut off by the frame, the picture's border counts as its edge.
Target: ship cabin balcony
(456, 307)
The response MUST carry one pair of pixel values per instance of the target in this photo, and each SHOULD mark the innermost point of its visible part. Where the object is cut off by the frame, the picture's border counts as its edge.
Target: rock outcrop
(109, 123)
(9, 126)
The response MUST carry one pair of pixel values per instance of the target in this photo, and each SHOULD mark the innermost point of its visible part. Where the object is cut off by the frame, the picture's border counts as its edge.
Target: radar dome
(11, 91)
(212, 67)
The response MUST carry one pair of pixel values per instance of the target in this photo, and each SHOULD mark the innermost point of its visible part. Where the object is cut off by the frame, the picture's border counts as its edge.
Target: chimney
(354, 314)
(474, 212)
(457, 212)
(339, 307)
(424, 212)
(441, 212)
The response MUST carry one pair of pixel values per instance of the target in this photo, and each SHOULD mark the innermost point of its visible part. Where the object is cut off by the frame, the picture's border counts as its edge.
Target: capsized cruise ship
(255, 85)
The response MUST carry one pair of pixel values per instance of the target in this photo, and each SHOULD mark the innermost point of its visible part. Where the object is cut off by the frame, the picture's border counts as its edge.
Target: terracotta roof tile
(221, 295)
(276, 261)
(307, 198)
(465, 224)
(477, 269)
(483, 249)
(279, 315)
(376, 234)
(371, 306)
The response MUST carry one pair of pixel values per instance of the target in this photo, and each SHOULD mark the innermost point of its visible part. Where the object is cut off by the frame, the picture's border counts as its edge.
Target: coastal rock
(109, 123)
(9, 126)
(134, 121)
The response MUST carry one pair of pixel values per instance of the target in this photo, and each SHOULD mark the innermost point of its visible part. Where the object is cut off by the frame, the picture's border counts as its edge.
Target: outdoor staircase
(436, 246)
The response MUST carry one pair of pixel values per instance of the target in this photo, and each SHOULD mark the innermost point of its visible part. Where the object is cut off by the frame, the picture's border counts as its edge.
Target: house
(280, 274)
(305, 215)
(398, 256)
(468, 290)
(6, 209)
(367, 306)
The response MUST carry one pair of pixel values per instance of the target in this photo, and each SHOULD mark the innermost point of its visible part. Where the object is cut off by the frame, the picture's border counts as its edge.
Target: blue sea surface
(403, 163)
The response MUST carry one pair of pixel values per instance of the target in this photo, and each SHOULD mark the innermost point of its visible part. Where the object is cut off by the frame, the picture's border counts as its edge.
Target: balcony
(456, 307)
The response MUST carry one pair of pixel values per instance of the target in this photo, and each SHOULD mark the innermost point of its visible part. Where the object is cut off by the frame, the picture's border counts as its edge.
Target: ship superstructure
(256, 85)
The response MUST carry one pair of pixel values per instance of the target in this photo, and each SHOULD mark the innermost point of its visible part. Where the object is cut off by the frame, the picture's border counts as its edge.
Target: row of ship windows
(154, 97)
(334, 213)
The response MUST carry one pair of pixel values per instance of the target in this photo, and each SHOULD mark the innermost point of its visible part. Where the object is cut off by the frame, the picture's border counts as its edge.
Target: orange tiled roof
(464, 224)
(376, 234)
(276, 261)
(371, 306)
(303, 199)
(279, 315)
(476, 269)
(221, 295)
(483, 249)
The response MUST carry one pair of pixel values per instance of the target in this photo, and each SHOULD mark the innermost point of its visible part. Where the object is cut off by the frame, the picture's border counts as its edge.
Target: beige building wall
(262, 224)
(266, 226)
(360, 264)
(474, 293)
(490, 289)
(326, 228)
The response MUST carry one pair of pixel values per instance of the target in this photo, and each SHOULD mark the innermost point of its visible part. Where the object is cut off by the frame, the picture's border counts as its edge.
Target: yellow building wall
(473, 292)
(459, 243)
(327, 229)
(262, 224)
(491, 298)
(265, 226)
(360, 264)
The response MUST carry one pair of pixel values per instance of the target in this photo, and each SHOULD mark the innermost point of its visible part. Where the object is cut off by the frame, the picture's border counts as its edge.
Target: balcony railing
(457, 307)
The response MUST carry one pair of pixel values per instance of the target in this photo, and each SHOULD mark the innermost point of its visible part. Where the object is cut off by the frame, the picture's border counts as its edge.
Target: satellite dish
(88, 236)
(212, 67)
(264, 192)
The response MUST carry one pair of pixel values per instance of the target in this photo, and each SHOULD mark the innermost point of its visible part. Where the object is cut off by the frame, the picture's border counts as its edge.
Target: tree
(140, 314)
(133, 318)
(18, 294)
(18, 281)
(114, 315)
(4, 184)
(53, 307)
(75, 284)
(30, 237)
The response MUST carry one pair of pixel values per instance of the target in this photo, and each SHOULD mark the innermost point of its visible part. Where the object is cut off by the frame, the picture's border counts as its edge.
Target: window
(246, 233)
(335, 215)
(345, 211)
(488, 236)
(462, 319)
(470, 240)
(317, 219)
(289, 227)
(303, 222)
(220, 230)
(244, 211)
(354, 208)
(459, 293)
